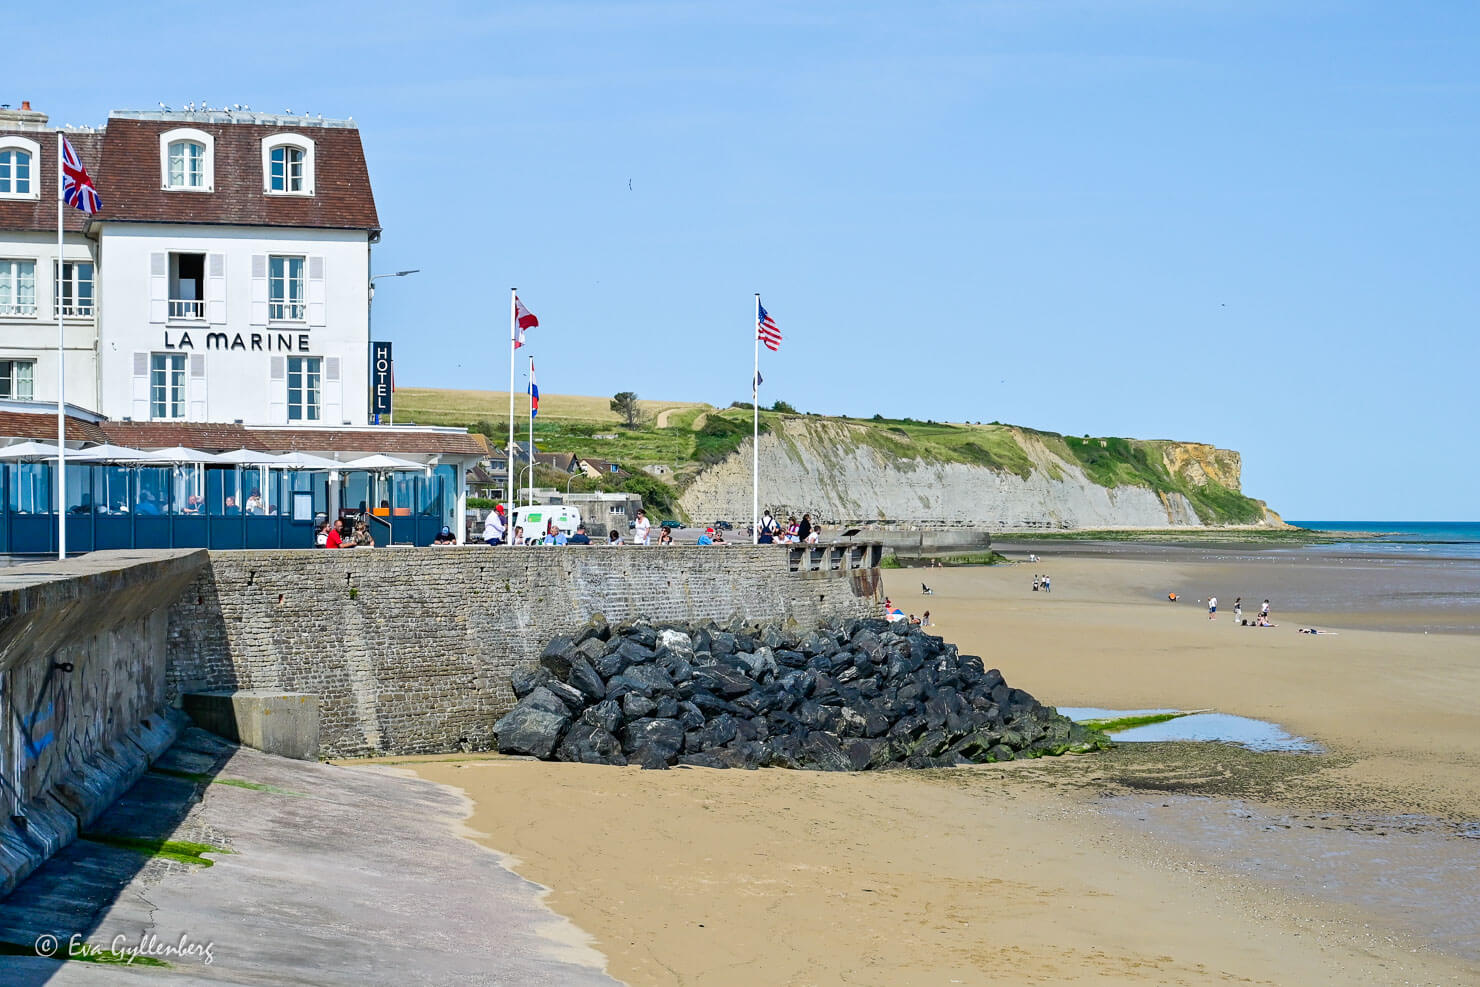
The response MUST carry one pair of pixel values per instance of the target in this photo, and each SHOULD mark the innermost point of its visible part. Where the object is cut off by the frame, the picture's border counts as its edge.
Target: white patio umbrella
(381, 463)
(249, 457)
(29, 450)
(180, 454)
(108, 453)
(305, 461)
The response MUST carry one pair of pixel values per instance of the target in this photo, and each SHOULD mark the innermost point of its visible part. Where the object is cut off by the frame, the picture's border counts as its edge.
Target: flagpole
(755, 432)
(531, 431)
(509, 450)
(61, 369)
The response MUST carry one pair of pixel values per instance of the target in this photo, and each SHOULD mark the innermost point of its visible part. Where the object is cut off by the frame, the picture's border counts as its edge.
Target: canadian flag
(523, 319)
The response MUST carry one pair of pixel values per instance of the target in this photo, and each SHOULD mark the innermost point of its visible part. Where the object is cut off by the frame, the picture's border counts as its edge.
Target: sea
(1421, 539)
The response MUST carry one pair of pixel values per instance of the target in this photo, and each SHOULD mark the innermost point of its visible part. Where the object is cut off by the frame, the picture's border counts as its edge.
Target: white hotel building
(224, 283)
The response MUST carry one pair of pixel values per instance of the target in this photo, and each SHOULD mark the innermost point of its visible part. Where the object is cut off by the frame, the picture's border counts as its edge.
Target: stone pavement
(335, 875)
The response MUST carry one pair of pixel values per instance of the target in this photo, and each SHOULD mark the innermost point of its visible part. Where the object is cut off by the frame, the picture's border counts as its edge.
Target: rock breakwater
(848, 695)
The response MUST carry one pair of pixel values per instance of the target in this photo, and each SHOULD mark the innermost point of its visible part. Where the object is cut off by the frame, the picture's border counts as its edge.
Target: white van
(535, 519)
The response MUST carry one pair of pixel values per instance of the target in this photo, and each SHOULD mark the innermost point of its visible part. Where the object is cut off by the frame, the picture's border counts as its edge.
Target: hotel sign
(382, 383)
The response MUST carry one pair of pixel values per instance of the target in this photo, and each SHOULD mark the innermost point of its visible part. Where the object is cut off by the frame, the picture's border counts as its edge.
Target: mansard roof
(40, 213)
(123, 159)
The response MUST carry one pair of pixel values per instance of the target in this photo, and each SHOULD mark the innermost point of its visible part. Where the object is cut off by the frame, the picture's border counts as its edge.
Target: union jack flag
(77, 187)
(766, 330)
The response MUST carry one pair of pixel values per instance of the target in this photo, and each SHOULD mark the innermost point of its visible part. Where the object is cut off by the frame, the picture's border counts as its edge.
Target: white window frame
(208, 159)
(270, 144)
(282, 308)
(308, 410)
(15, 394)
(174, 367)
(13, 142)
(74, 311)
(10, 270)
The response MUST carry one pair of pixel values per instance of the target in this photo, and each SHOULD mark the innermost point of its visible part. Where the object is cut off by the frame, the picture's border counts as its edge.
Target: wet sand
(1151, 863)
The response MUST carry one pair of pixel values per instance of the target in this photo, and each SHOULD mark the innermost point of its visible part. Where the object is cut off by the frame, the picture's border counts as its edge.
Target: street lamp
(522, 471)
(569, 482)
(369, 319)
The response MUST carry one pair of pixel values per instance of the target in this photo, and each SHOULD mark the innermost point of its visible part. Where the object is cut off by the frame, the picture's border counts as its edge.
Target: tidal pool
(1256, 735)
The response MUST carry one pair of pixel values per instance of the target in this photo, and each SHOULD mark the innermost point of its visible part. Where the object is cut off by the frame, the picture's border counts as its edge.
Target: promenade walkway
(335, 875)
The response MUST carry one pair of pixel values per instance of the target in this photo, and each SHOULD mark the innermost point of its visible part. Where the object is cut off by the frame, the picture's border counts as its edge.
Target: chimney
(24, 118)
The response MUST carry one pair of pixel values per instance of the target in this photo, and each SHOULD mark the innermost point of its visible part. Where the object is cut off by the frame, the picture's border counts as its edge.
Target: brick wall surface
(410, 650)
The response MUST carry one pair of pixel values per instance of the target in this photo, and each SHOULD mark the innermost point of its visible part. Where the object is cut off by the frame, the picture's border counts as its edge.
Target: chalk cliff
(997, 477)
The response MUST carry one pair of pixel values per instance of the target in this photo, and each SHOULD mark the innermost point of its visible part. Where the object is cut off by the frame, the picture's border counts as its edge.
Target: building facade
(225, 280)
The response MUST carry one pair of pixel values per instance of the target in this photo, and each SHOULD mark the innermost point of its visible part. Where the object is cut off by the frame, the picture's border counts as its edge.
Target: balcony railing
(26, 309)
(77, 310)
(287, 311)
(187, 308)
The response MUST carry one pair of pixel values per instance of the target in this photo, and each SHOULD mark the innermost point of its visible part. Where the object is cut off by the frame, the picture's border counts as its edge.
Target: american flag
(766, 330)
(77, 187)
(523, 319)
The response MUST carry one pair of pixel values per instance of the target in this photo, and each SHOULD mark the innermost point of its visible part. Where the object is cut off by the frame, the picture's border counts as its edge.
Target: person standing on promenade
(640, 529)
(1212, 608)
(805, 528)
(493, 525)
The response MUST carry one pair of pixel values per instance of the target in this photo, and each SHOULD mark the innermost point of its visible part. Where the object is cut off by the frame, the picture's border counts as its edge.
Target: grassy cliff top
(689, 436)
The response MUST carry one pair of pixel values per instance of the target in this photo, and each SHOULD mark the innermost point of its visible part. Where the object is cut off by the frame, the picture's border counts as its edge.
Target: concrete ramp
(316, 874)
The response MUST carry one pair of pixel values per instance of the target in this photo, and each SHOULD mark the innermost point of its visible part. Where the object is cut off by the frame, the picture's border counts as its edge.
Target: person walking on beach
(1047, 586)
(1035, 582)
(1212, 608)
(1238, 609)
(1264, 611)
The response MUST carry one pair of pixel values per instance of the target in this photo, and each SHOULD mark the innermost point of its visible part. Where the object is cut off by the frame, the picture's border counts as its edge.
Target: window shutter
(196, 387)
(159, 286)
(259, 289)
(277, 389)
(141, 387)
(316, 291)
(216, 289)
(333, 391)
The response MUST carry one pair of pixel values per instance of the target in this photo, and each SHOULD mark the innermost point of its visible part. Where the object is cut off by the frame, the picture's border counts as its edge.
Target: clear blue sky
(1246, 222)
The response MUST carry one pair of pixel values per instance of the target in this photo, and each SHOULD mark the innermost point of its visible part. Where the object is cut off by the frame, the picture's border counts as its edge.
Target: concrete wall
(410, 651)
(74, 739)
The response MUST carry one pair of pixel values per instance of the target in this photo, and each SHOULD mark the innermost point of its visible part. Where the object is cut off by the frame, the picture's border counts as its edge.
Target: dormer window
(187, 160)
(287, 169)
(18, 158)
(187, 165)
(287, 165)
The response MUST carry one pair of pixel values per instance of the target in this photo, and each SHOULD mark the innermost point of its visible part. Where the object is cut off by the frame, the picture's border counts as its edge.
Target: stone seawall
(410, 651)
(82, 692)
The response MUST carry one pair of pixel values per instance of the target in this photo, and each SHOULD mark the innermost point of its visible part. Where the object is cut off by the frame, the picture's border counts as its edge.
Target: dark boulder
(635, 706)
(543, 698)
(823, 752)
(722, 681)
(588, 744)
(584, 679)
(557, 654)
(665, 736)
(530, 730)
(526, 678)
(606, 714)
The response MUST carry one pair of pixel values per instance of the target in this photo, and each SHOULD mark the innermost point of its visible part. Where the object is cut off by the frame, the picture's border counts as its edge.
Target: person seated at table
(707, 537)
(231, 507)
(580, 537)
(146, 505)
(445, 537)
(194, 504)
(254, 503)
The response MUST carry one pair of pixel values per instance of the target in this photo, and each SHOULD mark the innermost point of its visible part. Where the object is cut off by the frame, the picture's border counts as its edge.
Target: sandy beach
(1165, 863)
